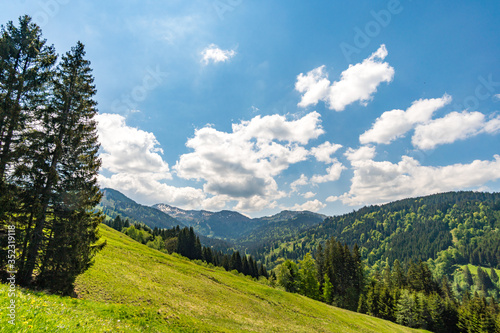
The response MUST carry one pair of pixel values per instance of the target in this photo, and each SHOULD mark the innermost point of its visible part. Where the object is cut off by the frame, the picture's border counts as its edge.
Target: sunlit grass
(132, 288)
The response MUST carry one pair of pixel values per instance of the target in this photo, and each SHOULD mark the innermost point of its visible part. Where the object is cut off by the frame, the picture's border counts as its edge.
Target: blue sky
(259, 107)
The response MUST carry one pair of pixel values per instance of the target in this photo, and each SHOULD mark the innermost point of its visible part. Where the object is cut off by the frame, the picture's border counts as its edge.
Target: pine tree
(235, 262)
(263, 271)
(197, 253)
(467, 276)
(483, 281)
(398, 276)
(64, 148)
(407, 312)
(207, 255)
(493, 275)
(245, 268)
(327, 290)
(26, 67)
(320, 264)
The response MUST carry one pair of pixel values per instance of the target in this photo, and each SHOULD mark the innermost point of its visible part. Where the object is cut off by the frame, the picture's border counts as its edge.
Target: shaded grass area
(132, 288)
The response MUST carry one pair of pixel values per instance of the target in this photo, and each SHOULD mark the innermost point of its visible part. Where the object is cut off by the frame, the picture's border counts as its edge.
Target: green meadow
(132, 288)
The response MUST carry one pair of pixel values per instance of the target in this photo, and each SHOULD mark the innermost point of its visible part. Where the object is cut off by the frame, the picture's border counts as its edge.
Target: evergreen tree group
(411, 296)
(48, 158)
(336, 276)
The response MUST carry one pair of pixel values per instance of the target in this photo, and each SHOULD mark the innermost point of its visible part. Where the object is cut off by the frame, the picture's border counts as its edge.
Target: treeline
(410, 295)
(336, 276)
(48, 160)
(186, 243)
(406, 294)
(411, 229)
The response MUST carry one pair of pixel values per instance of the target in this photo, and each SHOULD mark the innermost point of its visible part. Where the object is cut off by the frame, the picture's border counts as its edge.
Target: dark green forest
(415, 255)
(459, 226)
(48, 160)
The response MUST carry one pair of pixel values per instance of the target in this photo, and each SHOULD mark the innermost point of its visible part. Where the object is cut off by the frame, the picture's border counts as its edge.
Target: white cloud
(312, 206)
(332, 198)
(309, 195)
(454, 126)
(215, 203)
(214, 54)
(148, 189)
(359, 155)
(303, 180)
(128, 149)
(332, 174)
(277, 127)
(357, 83)
(315, 86)
(380, 182)
(134, 160)
(323, 152)
(497, 96)
(395, 123)
(255, 204)
(241, 165)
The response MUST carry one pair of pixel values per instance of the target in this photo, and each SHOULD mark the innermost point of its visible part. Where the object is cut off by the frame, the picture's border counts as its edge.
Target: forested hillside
(464, 224)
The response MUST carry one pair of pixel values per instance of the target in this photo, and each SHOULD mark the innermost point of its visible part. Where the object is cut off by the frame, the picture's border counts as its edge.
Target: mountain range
(225, 224)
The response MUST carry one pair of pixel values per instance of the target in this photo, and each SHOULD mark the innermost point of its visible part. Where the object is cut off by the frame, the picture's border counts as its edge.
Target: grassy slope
(133, 288)
(193, 296)
(473, 269)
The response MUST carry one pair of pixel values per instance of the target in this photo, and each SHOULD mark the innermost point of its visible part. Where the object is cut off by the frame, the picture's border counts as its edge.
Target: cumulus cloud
(128, 149)
(309, 195)
(395, 123)
(302, 181)
(380, 182)
(241, 164)
(149, 189)
(332, 198)
(214, 54)
(357, 83)
(333, 173)
(323, 152)
(454, 126)
(134, 160)
(312, 206)
(359, 155)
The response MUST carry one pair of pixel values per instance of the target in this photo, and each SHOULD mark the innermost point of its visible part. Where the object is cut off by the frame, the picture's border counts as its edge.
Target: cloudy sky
(261, 106)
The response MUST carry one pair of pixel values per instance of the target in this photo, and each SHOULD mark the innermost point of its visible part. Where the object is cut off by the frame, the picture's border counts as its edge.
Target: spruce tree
(327, 290)
(493, 275)
(467, 276)
(70, 191)
(26, 67)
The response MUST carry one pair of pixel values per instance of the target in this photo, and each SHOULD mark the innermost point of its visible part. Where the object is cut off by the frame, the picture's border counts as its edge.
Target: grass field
(473, 269)
(132, 288)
